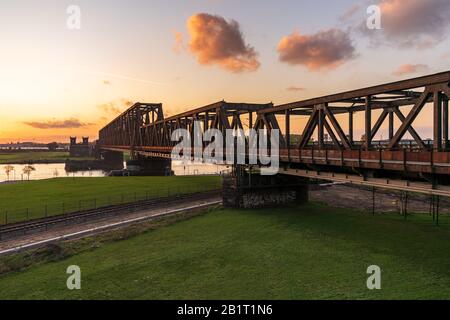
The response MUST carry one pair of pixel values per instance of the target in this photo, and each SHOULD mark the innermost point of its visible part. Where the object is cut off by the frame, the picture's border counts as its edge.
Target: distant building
(82, 149)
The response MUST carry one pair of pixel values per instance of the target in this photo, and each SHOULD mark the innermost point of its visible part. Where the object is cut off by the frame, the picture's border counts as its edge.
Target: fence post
(437, 211)
(406, 205)
(373, 200)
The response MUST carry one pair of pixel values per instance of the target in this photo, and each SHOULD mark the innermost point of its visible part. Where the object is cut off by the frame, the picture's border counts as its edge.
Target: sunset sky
(56, 82)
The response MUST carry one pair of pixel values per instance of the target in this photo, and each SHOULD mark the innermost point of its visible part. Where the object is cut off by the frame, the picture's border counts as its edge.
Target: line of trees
(27, 170)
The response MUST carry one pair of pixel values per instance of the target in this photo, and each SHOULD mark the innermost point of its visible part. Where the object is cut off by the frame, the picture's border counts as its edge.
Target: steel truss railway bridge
(317, 136)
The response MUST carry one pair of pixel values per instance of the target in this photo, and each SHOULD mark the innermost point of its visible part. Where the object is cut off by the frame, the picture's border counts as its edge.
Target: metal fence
(20, 214)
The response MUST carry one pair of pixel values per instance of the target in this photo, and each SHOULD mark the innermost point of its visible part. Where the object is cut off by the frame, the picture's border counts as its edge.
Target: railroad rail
(33, 226)
(111, 226)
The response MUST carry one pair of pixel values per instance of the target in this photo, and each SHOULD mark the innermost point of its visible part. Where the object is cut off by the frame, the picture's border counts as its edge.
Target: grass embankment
(32, 199)
(35, 157)
(309, 252)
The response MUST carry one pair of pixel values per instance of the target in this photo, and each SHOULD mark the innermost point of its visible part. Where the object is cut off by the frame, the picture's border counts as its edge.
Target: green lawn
(30, 199)
(309, 252)
(25, 157)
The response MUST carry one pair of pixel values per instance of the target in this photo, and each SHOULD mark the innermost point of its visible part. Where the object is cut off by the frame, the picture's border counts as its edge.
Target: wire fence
(43, 210)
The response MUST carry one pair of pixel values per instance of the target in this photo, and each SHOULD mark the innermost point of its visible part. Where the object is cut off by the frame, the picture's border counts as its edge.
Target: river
(56, 170)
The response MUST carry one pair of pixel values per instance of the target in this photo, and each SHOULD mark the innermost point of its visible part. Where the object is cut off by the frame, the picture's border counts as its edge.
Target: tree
(8, 170)
(27, 170)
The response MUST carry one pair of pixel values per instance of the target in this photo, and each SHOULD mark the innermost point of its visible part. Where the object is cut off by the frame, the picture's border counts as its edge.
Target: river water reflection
(56, 170)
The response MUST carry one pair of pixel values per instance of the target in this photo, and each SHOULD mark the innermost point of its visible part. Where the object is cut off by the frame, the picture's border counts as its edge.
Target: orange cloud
(114, 108)
(324, 50)
(109, 108)
(58, 124)
(213, 40)
(406, 69)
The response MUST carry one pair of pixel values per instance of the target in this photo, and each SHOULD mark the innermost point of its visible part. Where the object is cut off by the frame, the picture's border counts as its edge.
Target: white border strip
(108, 226)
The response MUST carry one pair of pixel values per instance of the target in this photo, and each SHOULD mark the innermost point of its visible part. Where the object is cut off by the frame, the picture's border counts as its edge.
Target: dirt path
(344, 196)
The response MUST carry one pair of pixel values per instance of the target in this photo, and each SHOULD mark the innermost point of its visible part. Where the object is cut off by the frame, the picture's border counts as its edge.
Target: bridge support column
(143, 166)
(113, 160)
(244, 190)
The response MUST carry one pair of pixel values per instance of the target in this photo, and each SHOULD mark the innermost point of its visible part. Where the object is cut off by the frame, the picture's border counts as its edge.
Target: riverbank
(11, 181)
(33, 157)
(31, 162)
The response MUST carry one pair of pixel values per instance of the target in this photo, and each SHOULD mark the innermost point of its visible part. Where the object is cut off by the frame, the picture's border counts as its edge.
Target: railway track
(10, 231)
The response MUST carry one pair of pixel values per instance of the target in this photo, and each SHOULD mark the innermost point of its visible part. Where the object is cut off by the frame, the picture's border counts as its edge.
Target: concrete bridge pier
(113, 160)
(246, 190)
(147, 166)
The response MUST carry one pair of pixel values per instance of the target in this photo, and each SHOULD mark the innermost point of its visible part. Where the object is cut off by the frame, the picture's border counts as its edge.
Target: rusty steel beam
(321, 128)
(409, 119)
(332, 135)
(308, 130)
(368, 123)
(378, 124)
(391, 124)
(445, 119)
(410, 129)
(437, 118)
(344, 140)
(438, 78)
(350, 126)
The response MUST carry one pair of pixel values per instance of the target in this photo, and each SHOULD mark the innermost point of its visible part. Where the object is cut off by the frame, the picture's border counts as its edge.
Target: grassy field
(30, 157)
(309, 252)
(32, 199)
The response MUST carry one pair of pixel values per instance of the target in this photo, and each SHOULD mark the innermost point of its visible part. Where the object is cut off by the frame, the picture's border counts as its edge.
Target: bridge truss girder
(320, 115)
(143, 128)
